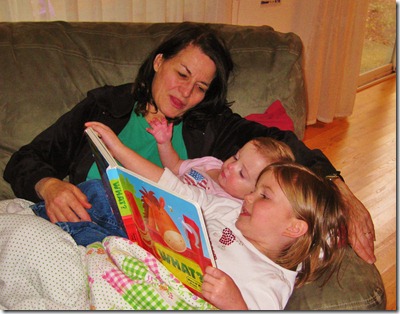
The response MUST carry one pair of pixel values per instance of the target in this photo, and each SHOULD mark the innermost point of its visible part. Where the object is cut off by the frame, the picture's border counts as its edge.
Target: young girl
(233, 178)
(290, 230)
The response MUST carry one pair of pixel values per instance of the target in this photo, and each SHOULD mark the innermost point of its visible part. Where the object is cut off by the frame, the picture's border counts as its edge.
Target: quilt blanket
(42, 268)
(123, 276)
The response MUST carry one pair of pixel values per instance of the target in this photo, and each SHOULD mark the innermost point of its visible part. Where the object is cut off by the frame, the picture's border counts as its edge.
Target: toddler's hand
(161, 130)
(108, 136)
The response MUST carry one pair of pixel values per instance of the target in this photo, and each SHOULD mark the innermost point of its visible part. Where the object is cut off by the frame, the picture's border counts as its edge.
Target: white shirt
(194, 172)
(264, 284)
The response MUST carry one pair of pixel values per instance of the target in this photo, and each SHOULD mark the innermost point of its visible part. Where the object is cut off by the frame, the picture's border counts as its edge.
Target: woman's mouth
(176, 103)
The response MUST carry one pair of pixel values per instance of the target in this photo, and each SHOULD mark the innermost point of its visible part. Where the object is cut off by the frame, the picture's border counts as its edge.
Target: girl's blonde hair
(317, 202)
(273, 149)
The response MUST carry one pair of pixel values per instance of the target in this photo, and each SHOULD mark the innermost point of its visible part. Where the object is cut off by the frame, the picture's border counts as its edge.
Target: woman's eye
(182, 74)
(202, 89)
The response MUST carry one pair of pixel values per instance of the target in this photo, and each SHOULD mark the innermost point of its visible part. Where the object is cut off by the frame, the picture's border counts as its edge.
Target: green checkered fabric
(154, 291)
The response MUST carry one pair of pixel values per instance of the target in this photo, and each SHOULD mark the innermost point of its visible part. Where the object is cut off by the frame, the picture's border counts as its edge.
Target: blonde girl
(288, 231)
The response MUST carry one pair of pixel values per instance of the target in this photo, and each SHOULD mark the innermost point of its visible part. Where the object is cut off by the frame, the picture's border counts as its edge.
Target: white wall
(295, 16)
(332, 32)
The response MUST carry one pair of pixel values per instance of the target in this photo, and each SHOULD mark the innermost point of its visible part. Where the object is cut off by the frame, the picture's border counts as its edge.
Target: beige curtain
(333, 58)
(212, 11)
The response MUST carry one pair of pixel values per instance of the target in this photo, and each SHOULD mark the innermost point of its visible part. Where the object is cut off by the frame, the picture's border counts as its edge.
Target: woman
(184, 79)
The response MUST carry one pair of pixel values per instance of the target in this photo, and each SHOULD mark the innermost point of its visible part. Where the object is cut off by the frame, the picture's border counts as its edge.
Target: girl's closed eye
(264, 196)
(264, 193)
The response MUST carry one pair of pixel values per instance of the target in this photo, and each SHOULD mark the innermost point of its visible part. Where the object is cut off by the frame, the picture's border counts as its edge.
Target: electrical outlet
(269, 2)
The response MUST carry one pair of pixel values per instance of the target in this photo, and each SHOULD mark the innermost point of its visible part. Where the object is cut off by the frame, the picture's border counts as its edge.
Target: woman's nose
(186, 89)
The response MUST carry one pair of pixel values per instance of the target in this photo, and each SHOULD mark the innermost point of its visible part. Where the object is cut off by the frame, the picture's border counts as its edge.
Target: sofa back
(47, 68)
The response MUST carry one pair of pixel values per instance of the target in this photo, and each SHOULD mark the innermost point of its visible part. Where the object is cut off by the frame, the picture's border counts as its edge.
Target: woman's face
(180, 83)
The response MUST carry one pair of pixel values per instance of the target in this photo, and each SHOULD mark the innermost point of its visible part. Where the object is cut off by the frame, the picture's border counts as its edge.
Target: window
(379, 57)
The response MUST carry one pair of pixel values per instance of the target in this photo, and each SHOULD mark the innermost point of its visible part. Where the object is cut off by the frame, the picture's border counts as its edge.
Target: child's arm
(162, 132)
(126, 156)
(220, 290)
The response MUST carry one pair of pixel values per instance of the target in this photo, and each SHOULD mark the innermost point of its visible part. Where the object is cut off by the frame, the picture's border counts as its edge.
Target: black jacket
(62, 150)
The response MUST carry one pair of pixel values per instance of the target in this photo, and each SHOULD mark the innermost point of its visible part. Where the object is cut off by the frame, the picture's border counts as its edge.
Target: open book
(167, 225)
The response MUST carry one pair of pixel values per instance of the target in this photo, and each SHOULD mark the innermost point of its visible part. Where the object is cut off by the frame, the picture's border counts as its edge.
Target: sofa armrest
(360, 287)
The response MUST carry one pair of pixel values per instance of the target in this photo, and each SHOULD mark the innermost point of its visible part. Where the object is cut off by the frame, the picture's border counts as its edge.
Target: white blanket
(40, 265)
(42, 268)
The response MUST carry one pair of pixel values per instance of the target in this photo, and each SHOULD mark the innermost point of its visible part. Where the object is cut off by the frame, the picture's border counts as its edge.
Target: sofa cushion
(360, 287)
(5, 188)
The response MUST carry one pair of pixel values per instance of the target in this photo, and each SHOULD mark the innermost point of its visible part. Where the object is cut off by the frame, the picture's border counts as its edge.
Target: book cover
(169, 226)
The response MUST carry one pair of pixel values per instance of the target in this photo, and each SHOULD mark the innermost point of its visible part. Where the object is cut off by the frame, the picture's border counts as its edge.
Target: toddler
(233, 178)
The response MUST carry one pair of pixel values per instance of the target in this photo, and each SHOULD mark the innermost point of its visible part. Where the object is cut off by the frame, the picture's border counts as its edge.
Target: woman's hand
(64, 201)
(220, 290)
(359, 222)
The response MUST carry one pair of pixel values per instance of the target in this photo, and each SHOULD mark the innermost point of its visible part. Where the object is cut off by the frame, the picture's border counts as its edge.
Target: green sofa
(47, 67)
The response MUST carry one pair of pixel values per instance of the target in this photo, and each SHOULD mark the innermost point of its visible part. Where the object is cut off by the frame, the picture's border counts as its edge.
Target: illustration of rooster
(159, 221)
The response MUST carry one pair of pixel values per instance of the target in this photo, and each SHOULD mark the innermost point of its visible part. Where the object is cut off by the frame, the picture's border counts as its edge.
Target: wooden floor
(363, 148)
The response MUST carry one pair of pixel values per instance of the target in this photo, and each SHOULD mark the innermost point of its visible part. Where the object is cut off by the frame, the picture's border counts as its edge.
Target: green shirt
(135, 136)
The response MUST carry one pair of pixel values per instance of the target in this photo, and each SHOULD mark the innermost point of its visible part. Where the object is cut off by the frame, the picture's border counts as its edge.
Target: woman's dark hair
(205, 38)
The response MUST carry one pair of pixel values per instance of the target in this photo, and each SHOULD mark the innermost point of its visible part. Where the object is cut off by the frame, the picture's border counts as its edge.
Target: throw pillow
(274, 116)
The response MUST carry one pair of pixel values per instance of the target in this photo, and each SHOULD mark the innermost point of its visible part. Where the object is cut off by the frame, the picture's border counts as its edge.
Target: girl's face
(239, 173)
(267, 218)
(180, 83)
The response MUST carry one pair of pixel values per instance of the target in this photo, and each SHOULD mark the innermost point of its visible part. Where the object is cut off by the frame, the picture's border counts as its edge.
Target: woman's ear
(296, 228)
(157, 62)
